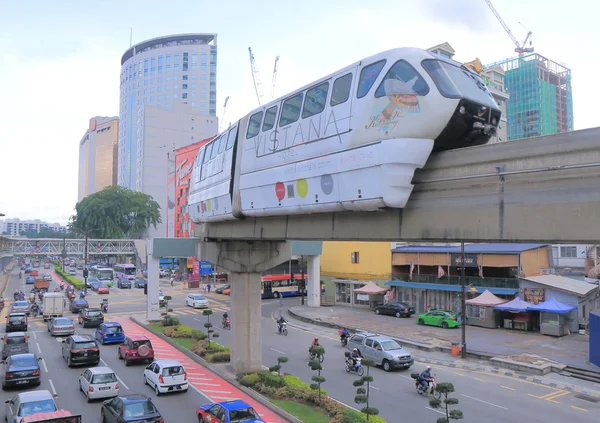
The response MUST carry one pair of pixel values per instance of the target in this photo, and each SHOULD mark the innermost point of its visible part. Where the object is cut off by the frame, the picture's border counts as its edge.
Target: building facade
(163, 72)
(98, 150)
(18, 227)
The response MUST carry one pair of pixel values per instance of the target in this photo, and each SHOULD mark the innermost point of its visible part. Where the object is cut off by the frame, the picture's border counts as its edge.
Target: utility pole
(64, 253)
(463, 327)
(85, 265)
(302, 281)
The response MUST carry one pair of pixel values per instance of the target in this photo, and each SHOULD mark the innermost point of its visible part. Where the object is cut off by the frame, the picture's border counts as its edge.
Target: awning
(515, 305)
(486, 299)
(453, 288)
(553, 306)
(370, 288)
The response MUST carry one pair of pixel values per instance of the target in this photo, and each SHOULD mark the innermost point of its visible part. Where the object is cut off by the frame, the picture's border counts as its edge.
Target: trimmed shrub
(219, 357)
(249, 380)
(268, 379)
(68, 278)
(351, 416)
(198, 334)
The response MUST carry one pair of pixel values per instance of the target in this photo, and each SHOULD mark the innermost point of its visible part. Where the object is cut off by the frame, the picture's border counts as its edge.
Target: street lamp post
(463, 328)
(64, 253)
(85, 264)
(302, 281)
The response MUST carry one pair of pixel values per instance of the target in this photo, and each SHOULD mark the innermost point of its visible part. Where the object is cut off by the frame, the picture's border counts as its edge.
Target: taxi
(228, 412)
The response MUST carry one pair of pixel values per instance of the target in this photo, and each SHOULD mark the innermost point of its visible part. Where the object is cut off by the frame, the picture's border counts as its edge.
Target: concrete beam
(544, 189)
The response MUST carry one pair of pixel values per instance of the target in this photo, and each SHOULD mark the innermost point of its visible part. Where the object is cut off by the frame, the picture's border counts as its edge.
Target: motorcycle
(282, 329)
(315, 356)
(35, 310)
(351, 366)
(430, 388)
(227, 323)
(20, 275)
(104, 306)
(343, 339)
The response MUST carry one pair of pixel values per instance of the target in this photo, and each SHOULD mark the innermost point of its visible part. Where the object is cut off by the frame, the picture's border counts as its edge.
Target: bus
(103, 274)
(275, 286)
(124, 271)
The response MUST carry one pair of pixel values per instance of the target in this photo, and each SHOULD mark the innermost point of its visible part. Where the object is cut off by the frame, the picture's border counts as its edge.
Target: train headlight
(462, 110)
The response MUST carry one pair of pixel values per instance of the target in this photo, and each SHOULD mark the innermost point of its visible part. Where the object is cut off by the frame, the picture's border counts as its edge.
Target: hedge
(68, 278)
(215, 354)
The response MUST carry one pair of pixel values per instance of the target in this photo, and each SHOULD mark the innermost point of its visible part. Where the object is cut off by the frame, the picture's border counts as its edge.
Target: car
(110, 333)
(16, 322)
(399, 309)
(47, 277)
(21, 369)
(136, 348)
(77, 305)
(140, 282)
(166, 375)
(72, 272)
(61, 326)
(99, 382)
(90, 317)
(80, 349)
(196, 301)
(20, 307)
(94, 285)
(164, 273)
(15, 343)
(130, 408)
(28, 270)
(442, 318)
(228, 412)
(27, 404)
(103, 289)
(382, 349)
(223, 288)
(124, 283)
(30, 280)
(90, 281)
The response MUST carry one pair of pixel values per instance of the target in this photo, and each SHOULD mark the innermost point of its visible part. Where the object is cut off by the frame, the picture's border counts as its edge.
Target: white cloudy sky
(60, 63)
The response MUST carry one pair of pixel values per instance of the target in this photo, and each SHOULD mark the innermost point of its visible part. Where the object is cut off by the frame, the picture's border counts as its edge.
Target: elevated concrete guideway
(544, 189)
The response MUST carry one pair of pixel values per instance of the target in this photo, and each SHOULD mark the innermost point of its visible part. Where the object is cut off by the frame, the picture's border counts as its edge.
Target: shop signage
(534, 295)
(470, 260)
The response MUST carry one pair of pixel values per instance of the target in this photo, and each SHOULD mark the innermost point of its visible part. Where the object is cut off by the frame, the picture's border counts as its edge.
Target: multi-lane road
(482, 394)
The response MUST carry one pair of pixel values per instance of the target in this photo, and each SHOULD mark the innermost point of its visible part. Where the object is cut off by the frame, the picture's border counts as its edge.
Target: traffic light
(85, 273)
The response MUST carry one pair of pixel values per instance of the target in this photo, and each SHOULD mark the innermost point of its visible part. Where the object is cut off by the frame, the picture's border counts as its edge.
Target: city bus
(103, 274)
(275, 286)
(124, 271)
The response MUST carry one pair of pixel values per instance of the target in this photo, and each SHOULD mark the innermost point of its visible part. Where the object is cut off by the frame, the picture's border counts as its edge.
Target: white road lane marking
(118, 378)
(52, 387)
(485, 402)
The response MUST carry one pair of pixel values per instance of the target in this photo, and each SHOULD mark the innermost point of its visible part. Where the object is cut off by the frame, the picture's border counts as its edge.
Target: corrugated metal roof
(563, 284)
(470, 248)
(454, 288)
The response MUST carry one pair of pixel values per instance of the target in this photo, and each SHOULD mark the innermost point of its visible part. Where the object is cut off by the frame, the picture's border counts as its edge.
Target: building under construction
(541, 100)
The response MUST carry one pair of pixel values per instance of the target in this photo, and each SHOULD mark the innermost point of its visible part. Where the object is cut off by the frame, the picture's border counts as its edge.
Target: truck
(53, 305)
(41, 283)
(61, 416)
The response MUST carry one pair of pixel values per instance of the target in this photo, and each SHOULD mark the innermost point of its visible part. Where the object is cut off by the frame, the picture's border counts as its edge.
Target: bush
(198, 334)
(295, 382)
(219, 357)
(351, 416)
(249, 380)
(171, 321)
(268, 379)
(68, 278)
(201, 348)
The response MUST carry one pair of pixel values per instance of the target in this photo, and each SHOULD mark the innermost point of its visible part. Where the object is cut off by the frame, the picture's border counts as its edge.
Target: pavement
(571, 350)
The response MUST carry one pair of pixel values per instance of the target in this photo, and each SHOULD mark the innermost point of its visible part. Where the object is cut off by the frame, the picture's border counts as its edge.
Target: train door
(340, 103)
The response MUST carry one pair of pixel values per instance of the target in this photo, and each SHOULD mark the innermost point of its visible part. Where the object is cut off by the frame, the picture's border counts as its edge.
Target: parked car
(124, 283)
(16, 322)
(61, 326)
(166, 375)
(386, 352)
(20, 307)
(99, 382)
(103, 289)
(228, 411)
(140, 282)
(196, 301)
(77, 305)
(130, 408)
(136, 348)
(395, 309)
(90, 317)
(28, 403)
(221, 289)
(442, 318)
(80, 349)
(110, 333)
(15, 343)
(20, 370)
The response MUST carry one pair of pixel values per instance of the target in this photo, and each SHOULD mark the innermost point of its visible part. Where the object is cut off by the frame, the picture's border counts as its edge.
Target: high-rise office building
(98, 156)
(163, 72)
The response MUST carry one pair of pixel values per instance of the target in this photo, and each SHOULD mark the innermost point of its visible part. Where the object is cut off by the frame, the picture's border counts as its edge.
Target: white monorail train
(349, 141)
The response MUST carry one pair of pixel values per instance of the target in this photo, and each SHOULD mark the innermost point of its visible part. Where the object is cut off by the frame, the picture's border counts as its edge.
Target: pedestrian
(280, 301)
(172, 281)
(208, 286)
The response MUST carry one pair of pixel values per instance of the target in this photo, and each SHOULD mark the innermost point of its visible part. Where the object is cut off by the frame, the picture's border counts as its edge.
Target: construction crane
(255, 77)
(274, 78)
(521, 49)
(224, 110)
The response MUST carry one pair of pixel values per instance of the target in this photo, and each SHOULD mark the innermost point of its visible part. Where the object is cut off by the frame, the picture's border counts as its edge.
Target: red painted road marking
(226, 390)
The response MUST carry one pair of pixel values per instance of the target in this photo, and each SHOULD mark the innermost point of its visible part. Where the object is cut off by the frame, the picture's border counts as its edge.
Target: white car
(99, 382)
(28, 403)
(166, 376)
(196, 301)
(72, 272)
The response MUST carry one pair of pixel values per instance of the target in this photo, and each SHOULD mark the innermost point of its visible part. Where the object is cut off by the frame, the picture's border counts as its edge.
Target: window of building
(185, 62)
(194, 61)
(184, 86)
(140, 68)
(168, 63)
(354, 257)
(176, 62)
(184, 77)
(160, 64)
(568, 252)
(341, 90)
(290, 111)
(314, 102)
(152, 90)
(167, 88)
(184, 95)
(145, 91)
(145, 67)
(203, 66)
(254, 125)
(203, 76)
(368, 75)
(152, 65)
(175, 87)
(193, 95)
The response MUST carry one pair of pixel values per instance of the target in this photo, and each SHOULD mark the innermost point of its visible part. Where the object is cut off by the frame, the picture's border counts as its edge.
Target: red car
(136, 348)
(103, 289)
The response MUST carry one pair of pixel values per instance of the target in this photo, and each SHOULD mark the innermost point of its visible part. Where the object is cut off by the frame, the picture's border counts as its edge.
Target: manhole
(587, 398)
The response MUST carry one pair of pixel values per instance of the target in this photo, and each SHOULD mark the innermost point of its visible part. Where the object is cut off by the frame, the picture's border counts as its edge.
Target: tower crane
(520, 47)
(255, 77)
(274, 78)
(224, 110)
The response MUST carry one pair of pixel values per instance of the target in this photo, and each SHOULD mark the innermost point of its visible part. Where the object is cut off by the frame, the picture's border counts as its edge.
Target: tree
(445, 388)
(209, 327)
(316, 366)
(363, 393)
(277, 367)
(115, 212)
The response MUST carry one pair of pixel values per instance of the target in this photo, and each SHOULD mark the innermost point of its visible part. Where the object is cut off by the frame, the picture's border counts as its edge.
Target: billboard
(171, 195)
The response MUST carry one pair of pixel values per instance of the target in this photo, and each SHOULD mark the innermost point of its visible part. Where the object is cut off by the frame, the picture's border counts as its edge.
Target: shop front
(345, 295)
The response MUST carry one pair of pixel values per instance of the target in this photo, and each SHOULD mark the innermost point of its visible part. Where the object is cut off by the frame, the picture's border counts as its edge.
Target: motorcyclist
(425, 377)
(355, 354)
(104, 305)
(81, 295)
(225, 317)
(344, 334)
(315, 343)
(35, 309)
(280, 323)
(20, 275)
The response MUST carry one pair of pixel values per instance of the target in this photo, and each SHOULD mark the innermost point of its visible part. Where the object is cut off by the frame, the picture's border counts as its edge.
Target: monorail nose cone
(399, 87)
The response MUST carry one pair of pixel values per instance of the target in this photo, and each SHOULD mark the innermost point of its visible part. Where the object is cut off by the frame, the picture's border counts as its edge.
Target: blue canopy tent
(553, 306)
(553, 317)
(521, 322)
(517, 305)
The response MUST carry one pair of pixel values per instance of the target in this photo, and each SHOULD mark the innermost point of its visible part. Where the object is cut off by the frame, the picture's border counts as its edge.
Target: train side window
(341, 90)
(222, 143)
(215, 148)
(368, 75)
(231, 138)
(408, 81)
(208, 152)
(270, 116)
(254, 125)
(315, 100)
(290, 111)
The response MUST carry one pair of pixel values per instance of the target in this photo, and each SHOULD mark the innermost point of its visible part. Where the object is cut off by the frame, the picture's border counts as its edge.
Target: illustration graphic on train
(349, 141)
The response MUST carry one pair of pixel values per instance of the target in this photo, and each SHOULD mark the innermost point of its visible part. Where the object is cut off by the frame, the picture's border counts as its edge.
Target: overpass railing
(455, 280)
(56, 246)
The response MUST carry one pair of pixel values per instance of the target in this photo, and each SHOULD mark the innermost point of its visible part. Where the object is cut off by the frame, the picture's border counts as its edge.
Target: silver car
(20, 307)
(385, 351)
(29, 403)
(61, 326)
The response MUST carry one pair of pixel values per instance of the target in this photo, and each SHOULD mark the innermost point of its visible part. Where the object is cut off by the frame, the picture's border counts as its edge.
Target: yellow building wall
(534, 260)
(374, 260)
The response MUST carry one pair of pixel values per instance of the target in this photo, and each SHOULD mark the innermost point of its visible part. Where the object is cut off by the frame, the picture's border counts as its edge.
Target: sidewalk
(497, 344)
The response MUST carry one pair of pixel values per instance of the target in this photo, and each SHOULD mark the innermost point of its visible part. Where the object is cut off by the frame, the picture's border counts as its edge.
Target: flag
(481, 271)
(412, 268)
(441, 272)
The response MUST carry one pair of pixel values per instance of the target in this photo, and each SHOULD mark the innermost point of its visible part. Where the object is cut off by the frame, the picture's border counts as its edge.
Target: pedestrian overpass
(71, 247)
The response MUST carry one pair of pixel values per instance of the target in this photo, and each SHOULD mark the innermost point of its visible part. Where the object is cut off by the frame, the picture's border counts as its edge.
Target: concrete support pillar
(152, 311)
(246, 327)
(313, 281)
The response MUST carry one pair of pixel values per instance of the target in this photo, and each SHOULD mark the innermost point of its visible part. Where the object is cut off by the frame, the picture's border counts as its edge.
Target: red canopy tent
(486, 299)
(370, 288)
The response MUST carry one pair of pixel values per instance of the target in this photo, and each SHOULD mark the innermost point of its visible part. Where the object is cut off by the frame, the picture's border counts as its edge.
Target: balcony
(512, 283)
